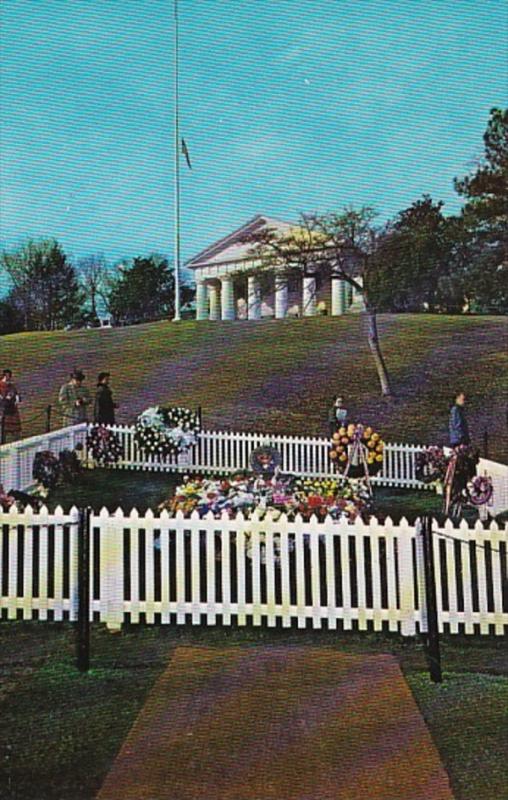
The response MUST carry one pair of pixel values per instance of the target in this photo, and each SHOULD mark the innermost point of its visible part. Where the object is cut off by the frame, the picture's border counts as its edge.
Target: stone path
(278, 723)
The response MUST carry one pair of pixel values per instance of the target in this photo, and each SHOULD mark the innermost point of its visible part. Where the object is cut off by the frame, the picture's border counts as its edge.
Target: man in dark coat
(458, 427)
(104, 412)
(337, 415)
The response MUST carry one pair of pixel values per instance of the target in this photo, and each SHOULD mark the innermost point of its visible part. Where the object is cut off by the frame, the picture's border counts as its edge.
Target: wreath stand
(448, 487)
(356, 456)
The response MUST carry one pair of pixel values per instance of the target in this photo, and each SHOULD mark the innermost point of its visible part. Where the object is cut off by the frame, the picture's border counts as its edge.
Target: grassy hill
(279, 376)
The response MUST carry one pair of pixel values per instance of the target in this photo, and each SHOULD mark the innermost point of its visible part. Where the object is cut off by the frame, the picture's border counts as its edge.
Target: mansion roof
(234, 247)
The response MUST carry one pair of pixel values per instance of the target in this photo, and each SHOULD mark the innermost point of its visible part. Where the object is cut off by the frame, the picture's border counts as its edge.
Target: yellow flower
(380, 447)
(342, 431)
(371, 443)
(379, 457)
(375, 437)
(343, 457)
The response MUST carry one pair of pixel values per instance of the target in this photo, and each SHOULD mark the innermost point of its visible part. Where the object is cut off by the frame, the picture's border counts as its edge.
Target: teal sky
(287, 106)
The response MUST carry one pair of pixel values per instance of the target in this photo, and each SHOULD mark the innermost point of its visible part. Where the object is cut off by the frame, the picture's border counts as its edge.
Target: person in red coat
(9, 411)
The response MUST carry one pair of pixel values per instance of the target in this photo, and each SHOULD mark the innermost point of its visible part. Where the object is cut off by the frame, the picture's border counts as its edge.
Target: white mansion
(223, 292)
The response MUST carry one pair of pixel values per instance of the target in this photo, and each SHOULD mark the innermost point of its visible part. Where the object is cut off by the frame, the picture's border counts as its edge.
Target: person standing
(74, 399)
(337, 415)
(9, 411)
(458, 427)
(104, 410)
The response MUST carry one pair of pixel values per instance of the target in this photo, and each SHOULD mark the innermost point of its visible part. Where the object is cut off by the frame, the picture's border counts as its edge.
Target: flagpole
(177, 317)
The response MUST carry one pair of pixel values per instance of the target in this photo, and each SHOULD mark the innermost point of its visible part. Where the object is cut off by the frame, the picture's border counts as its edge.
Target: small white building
(223, 292)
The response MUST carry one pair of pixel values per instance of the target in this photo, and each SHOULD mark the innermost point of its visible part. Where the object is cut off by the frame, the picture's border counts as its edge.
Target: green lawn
(279, 376)
(60, 730)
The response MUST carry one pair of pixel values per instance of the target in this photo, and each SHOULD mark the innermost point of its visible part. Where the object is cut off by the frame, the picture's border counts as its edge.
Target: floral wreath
(104, 445)
(46, 469)
(163, 431)
(353, 447)
(430, 465)
(265, 460)
(480, 490)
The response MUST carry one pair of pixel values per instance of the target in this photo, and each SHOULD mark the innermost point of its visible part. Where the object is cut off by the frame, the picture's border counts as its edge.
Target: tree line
(421, 260)
(50, 292)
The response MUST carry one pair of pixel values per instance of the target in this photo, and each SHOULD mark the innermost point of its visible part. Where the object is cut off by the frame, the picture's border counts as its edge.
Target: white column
(201, 300)
(253, 297)
(338, 296)
(358, 296)
(214, 298)
(227, 298)
(309, 296)
(281, 296)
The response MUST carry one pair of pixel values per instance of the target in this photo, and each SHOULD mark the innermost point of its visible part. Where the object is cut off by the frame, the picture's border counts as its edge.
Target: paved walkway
(278, 723)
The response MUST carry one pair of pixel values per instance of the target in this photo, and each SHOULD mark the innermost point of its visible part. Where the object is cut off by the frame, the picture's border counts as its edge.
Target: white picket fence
(239, 571)
(229, 451)
(216, 452)
(17, 458)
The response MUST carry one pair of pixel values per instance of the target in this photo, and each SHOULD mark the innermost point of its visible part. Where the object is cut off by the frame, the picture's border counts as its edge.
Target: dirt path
(278, 723)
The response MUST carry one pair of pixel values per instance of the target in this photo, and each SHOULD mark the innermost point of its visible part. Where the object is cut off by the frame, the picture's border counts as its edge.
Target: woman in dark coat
(9, 411)
(104, 413)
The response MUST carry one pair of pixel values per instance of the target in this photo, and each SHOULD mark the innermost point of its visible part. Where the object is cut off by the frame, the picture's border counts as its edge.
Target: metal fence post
(433, 651)
(48, 419)
(83, 637)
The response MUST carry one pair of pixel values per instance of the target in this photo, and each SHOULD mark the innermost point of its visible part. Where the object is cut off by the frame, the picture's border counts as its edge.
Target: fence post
(111, 569)
(83, 638)
(433, 652)
(406, 578)
(48, 419)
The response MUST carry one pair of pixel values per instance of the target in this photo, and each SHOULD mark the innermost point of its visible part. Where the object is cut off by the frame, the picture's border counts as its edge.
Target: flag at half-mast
(185, 152)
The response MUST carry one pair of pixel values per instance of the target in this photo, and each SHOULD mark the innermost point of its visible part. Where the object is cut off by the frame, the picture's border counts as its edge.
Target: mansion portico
(226, 288)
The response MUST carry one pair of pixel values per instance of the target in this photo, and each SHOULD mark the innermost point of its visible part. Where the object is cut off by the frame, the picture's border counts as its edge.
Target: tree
(11, 319)
(411, 263)
(45, 289)
(93, 273)
(339, 243)
(485, 218)
(145, 291)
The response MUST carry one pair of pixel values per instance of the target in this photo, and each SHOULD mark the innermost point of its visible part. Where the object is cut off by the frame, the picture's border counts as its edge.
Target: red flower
(315, 501)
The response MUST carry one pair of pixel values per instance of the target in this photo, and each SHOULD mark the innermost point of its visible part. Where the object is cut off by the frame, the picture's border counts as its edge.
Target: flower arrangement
(480, 490)
(248, 494)
(6, 499)
(19, 499)
(431, 465)
(354, 445)
(49, 469)
(104, 446)
(46, 469)
(70, 466)
(265, 461)
(162, 431)
(332, 498)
